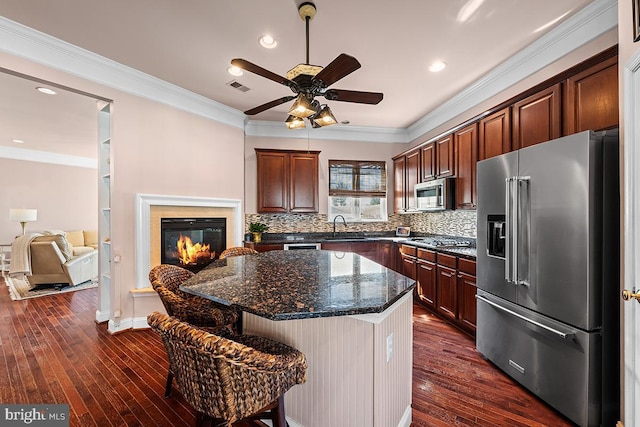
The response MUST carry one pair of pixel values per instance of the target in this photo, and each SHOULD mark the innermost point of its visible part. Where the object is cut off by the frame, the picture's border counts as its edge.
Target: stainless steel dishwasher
(299, 246)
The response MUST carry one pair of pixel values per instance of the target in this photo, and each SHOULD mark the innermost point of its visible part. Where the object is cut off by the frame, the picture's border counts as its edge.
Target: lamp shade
(294, 122)
(325, 117)
(302, 107)
(23, 215)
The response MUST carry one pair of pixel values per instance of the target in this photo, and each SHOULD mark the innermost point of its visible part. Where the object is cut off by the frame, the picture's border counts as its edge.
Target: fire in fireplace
(192, 243)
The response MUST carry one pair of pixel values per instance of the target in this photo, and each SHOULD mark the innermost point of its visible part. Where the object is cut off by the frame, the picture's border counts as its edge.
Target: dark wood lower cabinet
(467, 302)
(387, 254)
(263, 247)
(337, 246)
(426, 282)
(368, 250)
(447, 304)
(409, 260)
(446, 285)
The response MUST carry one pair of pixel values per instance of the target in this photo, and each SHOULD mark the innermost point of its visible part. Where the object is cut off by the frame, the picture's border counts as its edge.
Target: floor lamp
(23, 216)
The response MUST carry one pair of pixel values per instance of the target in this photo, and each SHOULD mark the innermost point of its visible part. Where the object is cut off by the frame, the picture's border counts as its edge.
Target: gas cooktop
(442, 242)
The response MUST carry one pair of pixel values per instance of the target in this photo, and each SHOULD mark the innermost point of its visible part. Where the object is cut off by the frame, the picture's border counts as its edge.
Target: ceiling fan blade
(353, 96)
(340, 67)
(264, 107)
(256, 69)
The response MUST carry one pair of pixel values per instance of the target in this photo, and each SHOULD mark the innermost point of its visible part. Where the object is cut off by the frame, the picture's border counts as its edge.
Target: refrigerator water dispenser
(496, 235)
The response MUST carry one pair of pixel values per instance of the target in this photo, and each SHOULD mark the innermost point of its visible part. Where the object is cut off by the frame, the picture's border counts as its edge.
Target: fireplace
(192, 243)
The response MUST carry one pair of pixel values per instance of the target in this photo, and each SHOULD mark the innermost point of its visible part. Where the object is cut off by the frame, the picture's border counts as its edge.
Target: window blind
(355, 178)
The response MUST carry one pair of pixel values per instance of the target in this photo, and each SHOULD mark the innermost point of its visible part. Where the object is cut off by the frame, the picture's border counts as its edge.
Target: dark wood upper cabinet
(287, 181)
(466, 150)
(399, 184)
(413, 177)
(536, 118)
(445, 157)
(303, 182)
(429, 162)
(494, 134)
(591, 98)
(273, 179)
(406, 172)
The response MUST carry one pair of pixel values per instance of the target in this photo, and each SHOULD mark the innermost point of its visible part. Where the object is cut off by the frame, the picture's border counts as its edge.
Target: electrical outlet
(389, 346)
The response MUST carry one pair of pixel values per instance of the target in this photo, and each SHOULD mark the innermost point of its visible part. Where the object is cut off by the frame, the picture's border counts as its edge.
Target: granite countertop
(427, 241)
(283, 285)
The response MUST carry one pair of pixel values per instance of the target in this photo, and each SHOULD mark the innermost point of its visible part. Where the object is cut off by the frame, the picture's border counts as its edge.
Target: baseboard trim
(405, 421)
(101, 316)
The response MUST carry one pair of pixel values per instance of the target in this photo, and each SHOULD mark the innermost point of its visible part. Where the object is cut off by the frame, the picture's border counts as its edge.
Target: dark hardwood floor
(52, 351)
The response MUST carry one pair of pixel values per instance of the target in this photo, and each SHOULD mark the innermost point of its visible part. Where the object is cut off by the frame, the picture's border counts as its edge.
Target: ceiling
(190, 44)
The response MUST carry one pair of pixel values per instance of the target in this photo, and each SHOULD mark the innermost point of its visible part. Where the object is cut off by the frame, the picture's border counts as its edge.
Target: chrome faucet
(344, 221)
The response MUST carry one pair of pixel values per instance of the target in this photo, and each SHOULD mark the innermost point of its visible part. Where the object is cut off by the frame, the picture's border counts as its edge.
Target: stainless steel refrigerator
(548, 269)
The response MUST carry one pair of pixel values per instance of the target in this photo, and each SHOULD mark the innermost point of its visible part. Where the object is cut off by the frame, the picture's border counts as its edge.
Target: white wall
(65, 196)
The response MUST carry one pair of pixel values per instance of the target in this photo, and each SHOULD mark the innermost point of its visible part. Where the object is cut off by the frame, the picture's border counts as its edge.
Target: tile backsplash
(318, 223)
(460, 223)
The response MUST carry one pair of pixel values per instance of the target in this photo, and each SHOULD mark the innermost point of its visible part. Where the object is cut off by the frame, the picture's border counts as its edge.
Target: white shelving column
(104, 205)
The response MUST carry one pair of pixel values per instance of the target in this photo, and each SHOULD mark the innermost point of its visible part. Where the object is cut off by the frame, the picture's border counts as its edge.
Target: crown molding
(47, 157)
(594, 20)
(587, 24)
(25, 42)
(339, 132)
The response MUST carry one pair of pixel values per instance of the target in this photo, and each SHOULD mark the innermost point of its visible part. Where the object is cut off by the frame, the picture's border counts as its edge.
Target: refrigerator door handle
(511, 220)
(563, 335)
(523, 209)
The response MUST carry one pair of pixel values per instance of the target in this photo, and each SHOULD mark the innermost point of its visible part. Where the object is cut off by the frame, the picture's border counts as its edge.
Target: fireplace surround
(231, 209)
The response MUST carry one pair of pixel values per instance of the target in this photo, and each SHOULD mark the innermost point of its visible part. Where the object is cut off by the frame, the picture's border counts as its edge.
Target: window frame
(355, 194)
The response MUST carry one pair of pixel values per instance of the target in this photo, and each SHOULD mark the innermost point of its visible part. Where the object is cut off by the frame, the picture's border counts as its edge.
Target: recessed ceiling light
(46, 90)
(235, 71)
(268, 42)
(437, 66)
(17, 141)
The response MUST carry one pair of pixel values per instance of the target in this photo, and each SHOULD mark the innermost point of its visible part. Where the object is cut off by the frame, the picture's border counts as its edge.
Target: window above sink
(358, 190)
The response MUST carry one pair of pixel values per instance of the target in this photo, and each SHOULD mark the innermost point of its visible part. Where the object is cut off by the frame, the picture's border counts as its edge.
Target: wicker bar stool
(237, 251)
(230, 380)
(165, 280)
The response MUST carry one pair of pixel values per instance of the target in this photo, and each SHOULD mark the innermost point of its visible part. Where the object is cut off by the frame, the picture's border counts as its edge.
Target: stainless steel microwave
(436, 195)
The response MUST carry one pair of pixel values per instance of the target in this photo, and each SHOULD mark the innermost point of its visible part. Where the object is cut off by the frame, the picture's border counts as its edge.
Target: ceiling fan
(310, 81)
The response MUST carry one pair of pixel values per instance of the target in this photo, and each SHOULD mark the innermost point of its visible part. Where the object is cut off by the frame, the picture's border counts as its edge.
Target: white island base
(360, 367)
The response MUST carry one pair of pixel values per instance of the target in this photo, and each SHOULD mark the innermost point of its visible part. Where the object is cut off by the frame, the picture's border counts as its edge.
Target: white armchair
(49, 265)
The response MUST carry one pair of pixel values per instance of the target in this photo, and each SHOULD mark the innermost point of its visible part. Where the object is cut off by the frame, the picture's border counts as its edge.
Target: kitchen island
(350, 316)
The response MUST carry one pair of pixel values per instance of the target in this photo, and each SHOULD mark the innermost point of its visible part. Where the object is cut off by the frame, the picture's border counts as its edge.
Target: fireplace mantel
(143, 205)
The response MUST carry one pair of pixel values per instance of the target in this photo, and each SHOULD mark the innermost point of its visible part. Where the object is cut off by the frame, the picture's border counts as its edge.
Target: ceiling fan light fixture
(302, 107)
(325, 117)
(294, 122)
(267, 41)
